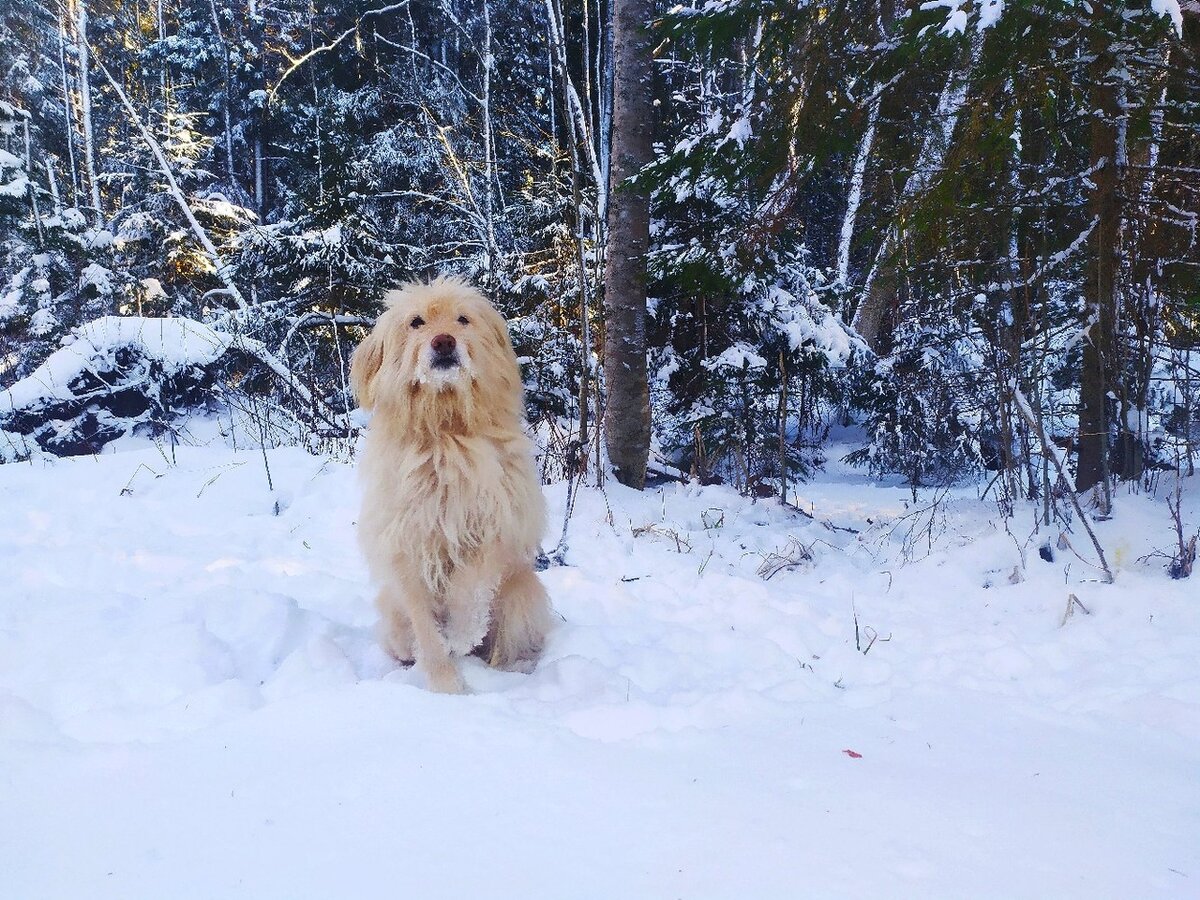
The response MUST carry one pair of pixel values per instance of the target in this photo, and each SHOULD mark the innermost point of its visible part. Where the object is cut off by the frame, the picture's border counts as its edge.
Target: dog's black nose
(443, 344)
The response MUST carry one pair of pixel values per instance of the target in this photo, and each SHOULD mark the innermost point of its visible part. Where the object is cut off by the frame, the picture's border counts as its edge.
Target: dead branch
(1035, 426)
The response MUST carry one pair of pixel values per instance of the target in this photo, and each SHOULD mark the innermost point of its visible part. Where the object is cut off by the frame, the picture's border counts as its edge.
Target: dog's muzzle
(445, 352)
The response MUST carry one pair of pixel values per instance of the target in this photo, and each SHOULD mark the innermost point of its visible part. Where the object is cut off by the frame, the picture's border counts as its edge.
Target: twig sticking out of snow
(682, 544)
(127, 491)
(1072, 602)
(871, 634)
(1026, 412)
(1185, 558)
(792, 555)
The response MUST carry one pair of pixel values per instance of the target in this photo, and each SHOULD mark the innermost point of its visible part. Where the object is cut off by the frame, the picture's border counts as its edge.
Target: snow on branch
(332, 45)
(1052, 262)
(959, 14)
(811, 325)
(117, 374)
(987, 13)
(1170, 9)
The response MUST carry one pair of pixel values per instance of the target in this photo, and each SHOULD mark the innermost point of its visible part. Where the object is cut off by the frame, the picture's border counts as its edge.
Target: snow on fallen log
(176, 344)
(117, 374)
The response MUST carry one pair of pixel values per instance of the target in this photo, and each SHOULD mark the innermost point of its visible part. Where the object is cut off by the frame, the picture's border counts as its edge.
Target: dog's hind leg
(520, 621)
(433, 655)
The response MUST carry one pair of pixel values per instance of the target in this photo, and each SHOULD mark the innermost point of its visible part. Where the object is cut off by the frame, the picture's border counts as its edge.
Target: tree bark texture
(1098, 373)
(627, 410)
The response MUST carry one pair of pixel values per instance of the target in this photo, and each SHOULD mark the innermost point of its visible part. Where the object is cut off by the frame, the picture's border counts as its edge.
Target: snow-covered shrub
(72, 277)
(915, 420)
(744, 383)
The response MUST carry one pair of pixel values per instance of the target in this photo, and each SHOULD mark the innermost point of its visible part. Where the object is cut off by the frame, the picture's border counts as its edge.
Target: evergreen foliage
(895, 214)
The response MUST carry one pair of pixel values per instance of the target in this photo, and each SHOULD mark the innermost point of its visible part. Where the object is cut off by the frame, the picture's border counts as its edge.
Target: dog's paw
(447, 680)
(460, 643)
(502, 652)
(395, 636)
(524, 665)
(467, 628)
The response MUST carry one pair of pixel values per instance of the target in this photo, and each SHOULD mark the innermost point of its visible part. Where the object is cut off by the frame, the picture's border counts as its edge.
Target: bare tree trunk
(627, 411)
(604, 75)
(1142, 312)
(573, 109)
(85, 104)
(854, 196)
(861, 158)
(52, 180)
(228, 86)
(1098, 374)
(261, 117)
(32, 183)
(69, 108)
(258, 164)
(489, 150)
(586, 223)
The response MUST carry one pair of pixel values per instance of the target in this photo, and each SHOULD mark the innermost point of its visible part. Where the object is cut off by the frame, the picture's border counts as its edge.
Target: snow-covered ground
(192, 704)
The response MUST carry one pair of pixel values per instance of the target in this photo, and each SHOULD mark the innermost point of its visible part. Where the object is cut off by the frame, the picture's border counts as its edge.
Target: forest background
(960, 235)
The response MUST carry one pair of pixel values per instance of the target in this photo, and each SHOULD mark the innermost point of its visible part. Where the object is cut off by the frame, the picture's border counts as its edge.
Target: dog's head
(440, 350)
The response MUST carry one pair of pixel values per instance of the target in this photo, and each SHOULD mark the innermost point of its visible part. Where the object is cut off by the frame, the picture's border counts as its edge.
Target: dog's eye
(417, 322)
(463, 320)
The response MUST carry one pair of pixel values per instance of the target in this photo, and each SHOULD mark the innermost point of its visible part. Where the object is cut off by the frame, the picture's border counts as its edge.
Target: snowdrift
(738, 700)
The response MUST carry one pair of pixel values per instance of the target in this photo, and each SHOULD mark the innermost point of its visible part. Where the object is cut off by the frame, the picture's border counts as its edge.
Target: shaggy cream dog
(452, 508)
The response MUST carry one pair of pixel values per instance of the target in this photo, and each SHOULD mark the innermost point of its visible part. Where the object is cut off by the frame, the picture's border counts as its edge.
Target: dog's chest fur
(451, 500)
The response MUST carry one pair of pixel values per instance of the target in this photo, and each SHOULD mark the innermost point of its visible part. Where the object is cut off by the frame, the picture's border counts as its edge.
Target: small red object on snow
(852, 754)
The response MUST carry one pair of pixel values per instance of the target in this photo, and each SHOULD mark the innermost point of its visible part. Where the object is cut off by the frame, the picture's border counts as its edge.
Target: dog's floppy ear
(364, 366)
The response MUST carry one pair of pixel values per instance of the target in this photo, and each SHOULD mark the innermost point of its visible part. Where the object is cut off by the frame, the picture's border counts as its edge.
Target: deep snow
(192, 704)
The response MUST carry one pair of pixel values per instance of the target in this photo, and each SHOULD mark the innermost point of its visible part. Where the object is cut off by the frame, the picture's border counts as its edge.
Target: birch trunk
(574, 110)
(879, 289)
(587, 373)
(627, 411)
(861, 157)
(261, 124)
(32, 183)
(85, 103)
(604, 63)
(854, 197)
(52, 180)
(489, 150)
(69, 108)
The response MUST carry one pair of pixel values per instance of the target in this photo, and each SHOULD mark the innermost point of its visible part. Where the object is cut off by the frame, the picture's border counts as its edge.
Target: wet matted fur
(452, 510)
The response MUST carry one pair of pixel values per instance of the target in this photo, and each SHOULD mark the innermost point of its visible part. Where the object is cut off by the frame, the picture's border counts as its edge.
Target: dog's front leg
(433, 653)
(395, 630)
(468, 604)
